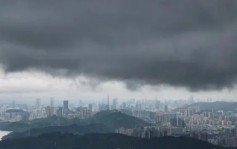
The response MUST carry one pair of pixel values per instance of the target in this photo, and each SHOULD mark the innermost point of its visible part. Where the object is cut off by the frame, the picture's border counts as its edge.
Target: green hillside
(102, 122)
(103, 141)
(116, 119)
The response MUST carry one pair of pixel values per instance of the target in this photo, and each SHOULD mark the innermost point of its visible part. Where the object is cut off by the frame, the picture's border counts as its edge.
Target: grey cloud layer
(189, 43)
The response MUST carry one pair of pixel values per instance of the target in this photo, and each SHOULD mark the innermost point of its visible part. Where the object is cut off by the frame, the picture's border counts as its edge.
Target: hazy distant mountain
(103, 141)
(102, 122)
(220, 105)
(73, 129)
(116, 119)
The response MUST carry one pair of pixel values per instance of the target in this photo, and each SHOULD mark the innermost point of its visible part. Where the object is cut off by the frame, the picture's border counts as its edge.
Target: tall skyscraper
(108, 103)
(166, 108)
(65, 104)
(51, 102)
(65, 108)
(37, 104)
(13, 104)
(49, 111)
(59, 112)
(114, 104)
(157, 105)
(90, 107)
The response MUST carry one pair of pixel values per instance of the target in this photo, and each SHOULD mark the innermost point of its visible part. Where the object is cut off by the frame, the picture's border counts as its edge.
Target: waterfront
(3, 133)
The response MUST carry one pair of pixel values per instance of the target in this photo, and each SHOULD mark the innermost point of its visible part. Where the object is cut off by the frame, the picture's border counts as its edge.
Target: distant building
(49, 111)
(157, 105)
(37, 103)
(65, 104)
(16, 114)
(90, 108)
(166, 108)
(114, 104)
(59, 112)
(108, 103)
(103, 107)
(52, 102)
(65, 108)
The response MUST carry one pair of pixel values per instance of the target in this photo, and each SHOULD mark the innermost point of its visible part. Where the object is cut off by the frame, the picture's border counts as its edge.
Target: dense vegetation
(112, 119)
(61, 133)
(103, 141)
(115, 120)
(102, 122)
(73, 129)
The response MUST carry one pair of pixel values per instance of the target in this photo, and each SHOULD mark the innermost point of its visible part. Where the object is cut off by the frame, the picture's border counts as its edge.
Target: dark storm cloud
(189, 43)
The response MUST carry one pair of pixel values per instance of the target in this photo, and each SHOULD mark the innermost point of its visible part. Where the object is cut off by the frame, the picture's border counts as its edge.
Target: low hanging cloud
(189, 43)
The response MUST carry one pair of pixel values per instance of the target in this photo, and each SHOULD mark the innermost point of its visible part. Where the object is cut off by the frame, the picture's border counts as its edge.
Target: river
(3, 133)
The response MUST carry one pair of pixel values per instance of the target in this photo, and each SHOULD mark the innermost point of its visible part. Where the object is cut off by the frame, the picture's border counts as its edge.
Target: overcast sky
(121, 48)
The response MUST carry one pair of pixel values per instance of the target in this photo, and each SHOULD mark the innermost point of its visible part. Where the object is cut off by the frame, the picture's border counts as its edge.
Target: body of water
(3, 133)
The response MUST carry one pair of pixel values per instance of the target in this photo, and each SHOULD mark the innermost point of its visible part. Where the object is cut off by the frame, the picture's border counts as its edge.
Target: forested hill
(103, 141)
(111, 119)
(116, 119)
(102, 122)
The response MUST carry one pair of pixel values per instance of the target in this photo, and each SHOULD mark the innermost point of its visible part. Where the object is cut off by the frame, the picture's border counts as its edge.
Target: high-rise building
(37, 104)
(13, 104)
(166, 108)
(108, 103)
(65, 108)
(65, 104)
(157, 105)
(51, 102)
(114, 104)
(59, 112)
(90, 107)
(49, 111)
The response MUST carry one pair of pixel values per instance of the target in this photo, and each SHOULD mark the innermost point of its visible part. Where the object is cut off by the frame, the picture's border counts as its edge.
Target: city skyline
(118, 74)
